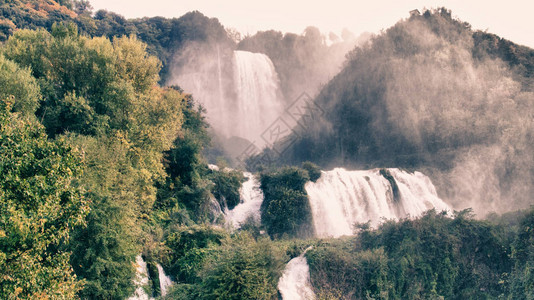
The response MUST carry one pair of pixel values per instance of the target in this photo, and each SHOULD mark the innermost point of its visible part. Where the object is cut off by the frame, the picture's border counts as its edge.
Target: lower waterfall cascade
(340, 198)
(251, 199)
(295, 281)
(142, 279)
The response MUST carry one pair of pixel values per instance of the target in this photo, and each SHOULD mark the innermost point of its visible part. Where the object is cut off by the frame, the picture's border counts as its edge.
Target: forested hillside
(102, 98)
(433, 257)
(430, 93)
(100, 163)
(164, 37)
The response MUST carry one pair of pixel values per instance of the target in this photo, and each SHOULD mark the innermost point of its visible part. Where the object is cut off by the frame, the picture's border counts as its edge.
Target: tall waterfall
(295, 281)
(341, 198)
(240, 90)
(251, 199)
(259, 101)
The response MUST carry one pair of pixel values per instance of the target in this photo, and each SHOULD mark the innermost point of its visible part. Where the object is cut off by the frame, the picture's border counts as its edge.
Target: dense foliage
(242, 267)
(99, 163)
(432, 93)
(20, 87)
(285, 210)
(227, 184)
(190, 246)
(39, 205)
(17, 14)
(102, 97)
(165, 38)
(432, 257)
(313, 170)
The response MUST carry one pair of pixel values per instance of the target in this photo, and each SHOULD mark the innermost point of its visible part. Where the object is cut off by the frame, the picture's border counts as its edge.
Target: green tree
(103, 96)
(39, 206)
(103, 251)
(243, 268)
(190, 246)
(89, 85)
(187, 184)
(18, 83)
(286, 209)
(522, 285)
(227, 185)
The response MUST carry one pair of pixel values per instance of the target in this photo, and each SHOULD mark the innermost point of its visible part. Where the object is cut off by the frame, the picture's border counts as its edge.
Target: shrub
(188, 247)
(313, 170)
(243, 268)
(227, 185)
(285, 209)
(427, 258)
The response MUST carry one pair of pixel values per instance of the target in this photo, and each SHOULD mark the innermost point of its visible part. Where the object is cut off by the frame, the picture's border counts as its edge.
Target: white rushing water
(251, 199)
(240, 91)
(141, 279)
(295, 281)
(164, 281)
(341, 198)
(259, 101)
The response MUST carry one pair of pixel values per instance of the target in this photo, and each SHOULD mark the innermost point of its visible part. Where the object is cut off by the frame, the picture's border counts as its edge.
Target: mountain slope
(164, 37)
(431, 93)
(31, 14)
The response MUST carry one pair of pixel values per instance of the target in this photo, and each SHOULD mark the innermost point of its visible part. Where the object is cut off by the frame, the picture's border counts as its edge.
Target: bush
(285, 209)
(523, 275)
(227, 185)
(431, 257)
(20, 85)
(39, 205)
(344, 275)
(243, 268)
(188, 247)
(313, 170)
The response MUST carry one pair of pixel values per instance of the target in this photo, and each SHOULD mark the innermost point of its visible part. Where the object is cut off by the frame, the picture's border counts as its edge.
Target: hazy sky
(512, 19)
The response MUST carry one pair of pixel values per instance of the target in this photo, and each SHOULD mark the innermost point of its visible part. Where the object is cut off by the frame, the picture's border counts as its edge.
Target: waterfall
(141, 279)
(295, 281)
(259, 102)
(341, 198)
(251, 199)
(164, 281)
(239, 90)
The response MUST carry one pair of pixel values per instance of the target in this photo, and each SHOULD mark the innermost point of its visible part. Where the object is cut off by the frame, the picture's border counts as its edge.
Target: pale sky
(512, 19)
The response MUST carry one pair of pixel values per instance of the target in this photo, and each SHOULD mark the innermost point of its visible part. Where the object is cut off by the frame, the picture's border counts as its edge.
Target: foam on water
(341, 198)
